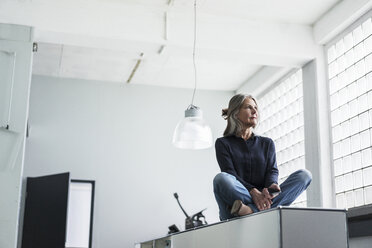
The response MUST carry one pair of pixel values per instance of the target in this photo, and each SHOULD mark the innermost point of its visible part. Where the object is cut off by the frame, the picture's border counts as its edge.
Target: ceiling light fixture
(135, 68)
(192, 132)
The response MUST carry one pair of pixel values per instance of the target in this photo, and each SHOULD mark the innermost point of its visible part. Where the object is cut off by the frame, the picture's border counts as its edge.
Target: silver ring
(264, 205)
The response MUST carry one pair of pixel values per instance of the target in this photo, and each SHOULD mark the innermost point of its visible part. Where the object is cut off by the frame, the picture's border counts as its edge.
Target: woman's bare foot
(245, 210)
(240, 209)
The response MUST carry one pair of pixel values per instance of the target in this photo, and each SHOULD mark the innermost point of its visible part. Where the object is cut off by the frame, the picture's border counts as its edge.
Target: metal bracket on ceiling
(35, 47)
(161, 49)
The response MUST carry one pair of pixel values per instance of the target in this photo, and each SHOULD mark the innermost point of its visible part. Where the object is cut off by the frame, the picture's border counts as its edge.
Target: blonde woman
(248, 165)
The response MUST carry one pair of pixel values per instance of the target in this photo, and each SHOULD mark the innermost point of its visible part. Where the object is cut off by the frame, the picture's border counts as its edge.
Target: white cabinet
(276, 228)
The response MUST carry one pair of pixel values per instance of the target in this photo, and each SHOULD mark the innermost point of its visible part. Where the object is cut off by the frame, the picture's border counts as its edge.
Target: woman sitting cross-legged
(248, 165)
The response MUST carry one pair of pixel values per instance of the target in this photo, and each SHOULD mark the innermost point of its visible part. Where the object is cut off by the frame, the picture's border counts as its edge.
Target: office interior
(102, 85)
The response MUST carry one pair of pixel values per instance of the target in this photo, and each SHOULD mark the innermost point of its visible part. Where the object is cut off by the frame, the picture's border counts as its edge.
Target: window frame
(358, 216)
(299, 201)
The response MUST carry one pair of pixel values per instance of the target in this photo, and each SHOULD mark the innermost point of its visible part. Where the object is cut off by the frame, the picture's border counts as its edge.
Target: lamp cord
(193, 55)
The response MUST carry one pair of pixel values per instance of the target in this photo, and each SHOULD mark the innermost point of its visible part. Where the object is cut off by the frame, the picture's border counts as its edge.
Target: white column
(318, 150)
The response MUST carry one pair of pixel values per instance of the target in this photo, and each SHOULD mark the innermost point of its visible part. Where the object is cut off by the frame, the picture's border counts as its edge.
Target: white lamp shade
(192, 133)
(10, 142)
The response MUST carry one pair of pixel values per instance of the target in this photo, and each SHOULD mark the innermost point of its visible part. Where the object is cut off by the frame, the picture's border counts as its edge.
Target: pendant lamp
(192, 132)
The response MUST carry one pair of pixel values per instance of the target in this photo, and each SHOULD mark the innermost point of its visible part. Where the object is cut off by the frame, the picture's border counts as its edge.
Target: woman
(248, 165)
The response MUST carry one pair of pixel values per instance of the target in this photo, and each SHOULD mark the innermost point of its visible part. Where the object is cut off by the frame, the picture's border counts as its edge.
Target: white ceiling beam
(267, 43)
(111, 20)
(115, 25)
(262, 79)
(81, 40)
(338, 18)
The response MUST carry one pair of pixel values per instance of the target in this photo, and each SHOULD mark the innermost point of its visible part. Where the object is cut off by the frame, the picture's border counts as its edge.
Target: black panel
(46, 212)
(360, 221)
(360, 228)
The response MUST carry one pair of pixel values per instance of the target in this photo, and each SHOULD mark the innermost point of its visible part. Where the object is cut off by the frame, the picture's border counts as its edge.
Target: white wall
(120, 135)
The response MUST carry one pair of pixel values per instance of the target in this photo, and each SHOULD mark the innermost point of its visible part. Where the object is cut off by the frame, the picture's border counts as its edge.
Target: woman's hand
(260, 199)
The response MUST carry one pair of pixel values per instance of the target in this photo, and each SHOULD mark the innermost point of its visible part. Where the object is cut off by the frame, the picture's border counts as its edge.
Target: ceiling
(105, 39)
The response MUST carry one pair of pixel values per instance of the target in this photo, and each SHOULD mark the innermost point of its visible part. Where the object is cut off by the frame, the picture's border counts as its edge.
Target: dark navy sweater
(252, 162)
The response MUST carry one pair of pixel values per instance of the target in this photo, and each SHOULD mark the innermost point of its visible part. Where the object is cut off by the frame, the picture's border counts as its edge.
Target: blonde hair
(234, 125)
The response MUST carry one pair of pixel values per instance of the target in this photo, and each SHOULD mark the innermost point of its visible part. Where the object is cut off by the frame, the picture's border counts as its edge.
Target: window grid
(282, 119)
(350, 88)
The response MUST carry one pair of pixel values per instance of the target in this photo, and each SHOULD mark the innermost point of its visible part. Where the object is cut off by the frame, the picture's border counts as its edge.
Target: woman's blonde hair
(234, 125)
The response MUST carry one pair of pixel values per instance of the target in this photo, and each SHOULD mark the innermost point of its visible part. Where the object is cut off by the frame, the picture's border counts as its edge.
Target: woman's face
(248, 113)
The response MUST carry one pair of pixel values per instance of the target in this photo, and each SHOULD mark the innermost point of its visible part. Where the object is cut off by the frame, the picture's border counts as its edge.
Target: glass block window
(350, 88)
(282, 119)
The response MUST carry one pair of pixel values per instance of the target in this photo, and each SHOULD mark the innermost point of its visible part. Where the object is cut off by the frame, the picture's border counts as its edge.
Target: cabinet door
(7, 70)
(46, 211)
(10, 140)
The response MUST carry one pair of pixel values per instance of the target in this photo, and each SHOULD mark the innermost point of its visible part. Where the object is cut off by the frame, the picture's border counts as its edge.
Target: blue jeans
(227, 189)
